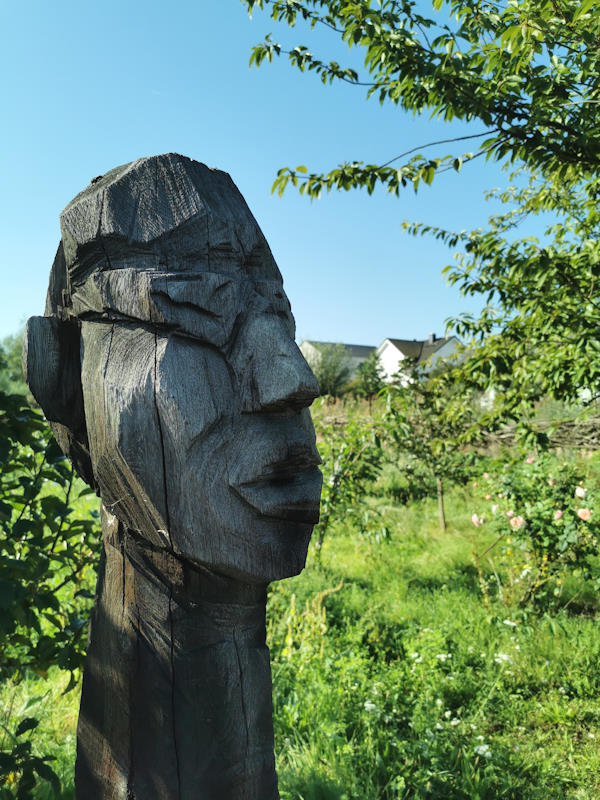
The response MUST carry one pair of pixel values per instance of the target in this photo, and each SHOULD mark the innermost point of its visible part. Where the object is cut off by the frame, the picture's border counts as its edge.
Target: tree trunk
(440, 497)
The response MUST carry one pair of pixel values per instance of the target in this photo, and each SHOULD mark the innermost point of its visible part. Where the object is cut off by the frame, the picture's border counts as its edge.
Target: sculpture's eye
(275, 301)
(205, 306)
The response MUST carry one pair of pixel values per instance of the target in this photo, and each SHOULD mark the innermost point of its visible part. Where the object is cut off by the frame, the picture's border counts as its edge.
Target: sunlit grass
(393, 679)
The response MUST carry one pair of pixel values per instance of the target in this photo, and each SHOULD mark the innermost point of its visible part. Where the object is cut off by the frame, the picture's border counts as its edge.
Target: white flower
(525, 573)
(443, 656)
(580, 492)
(454, 722)
(510, 623)
(483, 750)
(502, 658)
(370, 707)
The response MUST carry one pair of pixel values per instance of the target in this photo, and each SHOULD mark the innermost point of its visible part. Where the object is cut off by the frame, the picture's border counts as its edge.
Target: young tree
(369, 378)
(352, 456)
(331, 368)
(427, 419)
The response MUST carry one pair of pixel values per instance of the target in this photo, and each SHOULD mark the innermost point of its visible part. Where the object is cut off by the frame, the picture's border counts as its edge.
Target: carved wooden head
(195, 426)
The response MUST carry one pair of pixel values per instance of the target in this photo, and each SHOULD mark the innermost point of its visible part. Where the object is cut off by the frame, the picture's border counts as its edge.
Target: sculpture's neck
(177, 684)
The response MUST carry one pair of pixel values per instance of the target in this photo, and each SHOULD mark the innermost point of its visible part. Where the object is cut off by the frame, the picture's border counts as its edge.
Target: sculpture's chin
(275, 549)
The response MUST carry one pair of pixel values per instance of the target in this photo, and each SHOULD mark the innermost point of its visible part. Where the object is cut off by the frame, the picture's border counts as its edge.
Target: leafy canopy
(528, 71)
(539, 332)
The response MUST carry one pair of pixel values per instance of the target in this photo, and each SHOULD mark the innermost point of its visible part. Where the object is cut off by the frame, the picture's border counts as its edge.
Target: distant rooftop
(419, 350)
(353, 350)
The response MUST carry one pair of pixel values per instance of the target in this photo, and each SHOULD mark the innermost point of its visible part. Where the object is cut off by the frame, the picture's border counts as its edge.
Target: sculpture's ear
(52, 369)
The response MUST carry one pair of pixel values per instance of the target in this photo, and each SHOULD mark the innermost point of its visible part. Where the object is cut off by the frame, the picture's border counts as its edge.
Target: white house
(356, 354)
(395, 355)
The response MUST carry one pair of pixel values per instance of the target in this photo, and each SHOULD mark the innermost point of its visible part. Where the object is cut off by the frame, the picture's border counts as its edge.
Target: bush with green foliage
(11, 375)
(546, 522)
(48, 553)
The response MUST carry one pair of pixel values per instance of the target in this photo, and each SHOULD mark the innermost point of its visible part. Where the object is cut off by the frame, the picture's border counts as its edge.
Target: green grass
(44, 697)
(393, 679)
(401, 683)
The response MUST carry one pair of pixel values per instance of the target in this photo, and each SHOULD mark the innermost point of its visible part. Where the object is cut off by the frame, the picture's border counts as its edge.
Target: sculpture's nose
(273, 372)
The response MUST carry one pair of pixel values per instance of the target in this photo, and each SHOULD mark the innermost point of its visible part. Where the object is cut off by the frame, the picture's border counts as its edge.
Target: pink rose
(476, 520)
(486, 475)
(517, 522)
(584, 514)
(510, 514)
(488, 497)
(558, 514)
(474, 483)
(530, 460)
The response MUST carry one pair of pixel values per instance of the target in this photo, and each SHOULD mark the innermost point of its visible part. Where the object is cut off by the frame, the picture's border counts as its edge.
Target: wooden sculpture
(167, 367)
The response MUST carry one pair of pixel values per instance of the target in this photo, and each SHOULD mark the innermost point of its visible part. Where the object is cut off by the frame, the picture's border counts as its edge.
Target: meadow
(406, 667)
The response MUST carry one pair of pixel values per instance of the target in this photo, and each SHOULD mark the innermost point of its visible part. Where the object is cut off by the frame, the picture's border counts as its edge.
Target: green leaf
(27, 724)
(47, 773)
(584, 7)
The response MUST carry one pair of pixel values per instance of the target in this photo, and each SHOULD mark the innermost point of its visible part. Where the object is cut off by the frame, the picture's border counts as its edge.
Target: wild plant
(545, 519)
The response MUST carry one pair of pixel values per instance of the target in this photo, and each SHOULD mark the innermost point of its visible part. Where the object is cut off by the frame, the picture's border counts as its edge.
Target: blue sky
(89, 86)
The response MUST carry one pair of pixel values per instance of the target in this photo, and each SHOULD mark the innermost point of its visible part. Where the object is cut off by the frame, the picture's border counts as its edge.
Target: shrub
(47, 557)
(546, 520)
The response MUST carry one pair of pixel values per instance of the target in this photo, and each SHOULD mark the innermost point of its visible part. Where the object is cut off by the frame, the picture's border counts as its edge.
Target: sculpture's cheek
(118, 368)
(194, 392)
(196, 403)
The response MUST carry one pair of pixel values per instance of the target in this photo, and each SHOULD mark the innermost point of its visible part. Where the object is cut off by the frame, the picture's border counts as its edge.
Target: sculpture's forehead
(203, 305)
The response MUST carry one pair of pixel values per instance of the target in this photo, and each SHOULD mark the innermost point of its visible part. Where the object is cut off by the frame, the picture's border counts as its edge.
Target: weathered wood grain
(168, 367)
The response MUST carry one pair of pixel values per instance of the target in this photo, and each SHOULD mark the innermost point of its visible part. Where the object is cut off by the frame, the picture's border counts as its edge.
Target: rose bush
(546, 520)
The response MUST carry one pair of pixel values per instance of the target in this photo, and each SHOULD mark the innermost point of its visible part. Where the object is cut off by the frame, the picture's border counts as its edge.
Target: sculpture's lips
(288, 490)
